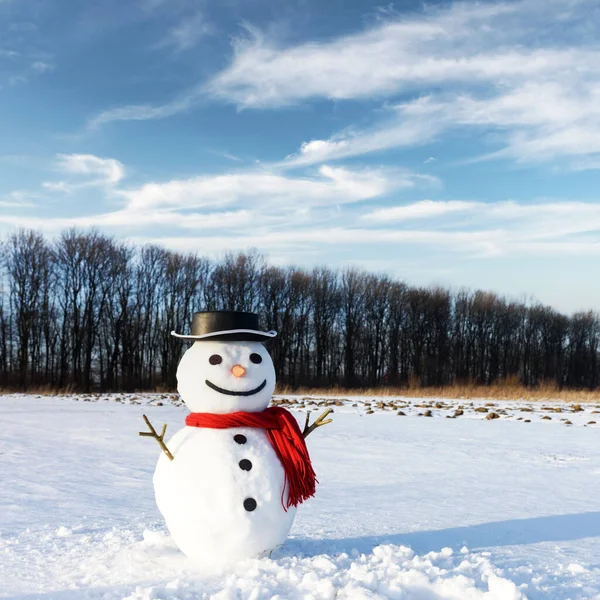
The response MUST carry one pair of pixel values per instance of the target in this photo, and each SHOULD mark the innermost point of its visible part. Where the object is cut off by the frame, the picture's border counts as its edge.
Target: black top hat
(226, 325)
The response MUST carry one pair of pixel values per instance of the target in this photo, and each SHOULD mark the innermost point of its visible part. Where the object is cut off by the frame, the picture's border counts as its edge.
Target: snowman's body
(221, 496)
(205, 493)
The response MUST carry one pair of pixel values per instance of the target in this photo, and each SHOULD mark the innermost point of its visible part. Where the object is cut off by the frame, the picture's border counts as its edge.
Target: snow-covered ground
(408, 507)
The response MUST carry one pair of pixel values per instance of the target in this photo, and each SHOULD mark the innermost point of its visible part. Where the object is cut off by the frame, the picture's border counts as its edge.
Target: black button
(240, 439)
(245, 464)
(249, 504)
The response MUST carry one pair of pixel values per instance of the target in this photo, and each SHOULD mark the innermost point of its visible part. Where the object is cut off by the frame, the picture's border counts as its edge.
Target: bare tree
(353, 291)
(28, 266)
(89, 312)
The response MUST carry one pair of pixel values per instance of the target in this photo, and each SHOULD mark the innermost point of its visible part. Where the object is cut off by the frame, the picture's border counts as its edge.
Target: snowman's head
(225, 377)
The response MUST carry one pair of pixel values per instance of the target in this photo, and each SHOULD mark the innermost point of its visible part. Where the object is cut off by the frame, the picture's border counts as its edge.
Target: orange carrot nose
(238, 371)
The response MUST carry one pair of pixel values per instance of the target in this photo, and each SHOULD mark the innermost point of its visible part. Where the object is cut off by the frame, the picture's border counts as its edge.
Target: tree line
(89, 312)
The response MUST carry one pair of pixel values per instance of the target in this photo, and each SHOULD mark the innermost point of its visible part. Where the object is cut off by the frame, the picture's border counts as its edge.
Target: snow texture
(408, 507)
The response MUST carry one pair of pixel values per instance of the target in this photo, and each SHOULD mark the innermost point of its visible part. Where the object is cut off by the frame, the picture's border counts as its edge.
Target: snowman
(228, 483)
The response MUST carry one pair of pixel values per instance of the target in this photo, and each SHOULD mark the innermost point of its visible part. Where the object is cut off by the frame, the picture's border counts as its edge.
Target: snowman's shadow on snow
(555, 528)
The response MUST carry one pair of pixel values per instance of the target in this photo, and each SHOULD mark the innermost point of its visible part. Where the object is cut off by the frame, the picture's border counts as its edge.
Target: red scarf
(285, 437)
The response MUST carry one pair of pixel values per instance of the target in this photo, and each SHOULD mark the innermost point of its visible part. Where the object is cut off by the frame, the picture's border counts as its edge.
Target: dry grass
(510, 390)
(39, 390)
(499, 391)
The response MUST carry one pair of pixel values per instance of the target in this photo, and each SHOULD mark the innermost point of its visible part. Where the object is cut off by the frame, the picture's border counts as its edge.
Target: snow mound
(388, 572)
(120, 566)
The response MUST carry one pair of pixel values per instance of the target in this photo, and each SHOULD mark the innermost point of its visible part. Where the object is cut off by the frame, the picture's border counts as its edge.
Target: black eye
(256, 358)
(215, 359)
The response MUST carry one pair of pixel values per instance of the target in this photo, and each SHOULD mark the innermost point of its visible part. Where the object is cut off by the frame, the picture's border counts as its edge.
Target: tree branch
(159, 438)
(318, 423)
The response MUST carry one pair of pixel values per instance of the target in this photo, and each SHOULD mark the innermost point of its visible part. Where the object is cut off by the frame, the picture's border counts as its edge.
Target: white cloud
(418, 210)
(586, 213)
(235, 230)
(144, 112)
(526, 71)
(86, 170)
(538, 120)
(105, 169)
(521, 70)
(227, 155)
(42, 67)
(264, 188)
(484, 243)
(502, 228)
(467, 43)
(391, 132)
(252, 199)
(17, 199)
(187, 33)
(534, 121)
(131, 219)
(294, 242)
(294, 216)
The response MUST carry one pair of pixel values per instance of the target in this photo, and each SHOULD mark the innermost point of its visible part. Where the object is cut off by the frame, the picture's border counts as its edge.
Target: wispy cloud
(227, 155)
(39, 66)
(585, 214)
(482, 244)
(468, 43)
(391, 132)
(107, 170)
(508, 227)
(418, 210)
(521, 70)
(377, 62)
(18, 199)
(144, 112)
(187, 33)
(292, 215)
(535, 121)
(306, 238)
(23, 52)
(257, 198)
(16, 80)
(129, 220)
(85, 170)
(259, 189)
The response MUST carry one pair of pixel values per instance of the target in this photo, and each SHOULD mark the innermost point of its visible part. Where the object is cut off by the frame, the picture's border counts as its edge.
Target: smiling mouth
(234, 393)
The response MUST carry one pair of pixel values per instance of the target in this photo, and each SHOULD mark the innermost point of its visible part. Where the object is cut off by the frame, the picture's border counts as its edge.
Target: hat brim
(231, 335)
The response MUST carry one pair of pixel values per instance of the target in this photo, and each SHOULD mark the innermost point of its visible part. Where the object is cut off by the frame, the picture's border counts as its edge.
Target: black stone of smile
(234, 393)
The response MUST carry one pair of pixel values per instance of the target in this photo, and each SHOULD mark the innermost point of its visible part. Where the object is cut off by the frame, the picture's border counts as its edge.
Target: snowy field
(472, 507)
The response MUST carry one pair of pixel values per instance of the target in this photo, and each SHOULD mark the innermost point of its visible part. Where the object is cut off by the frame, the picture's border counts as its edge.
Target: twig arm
(318, 423)
(159, 438)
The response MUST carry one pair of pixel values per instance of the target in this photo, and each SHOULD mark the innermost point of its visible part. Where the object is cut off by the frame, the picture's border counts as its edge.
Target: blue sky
(444, 143)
